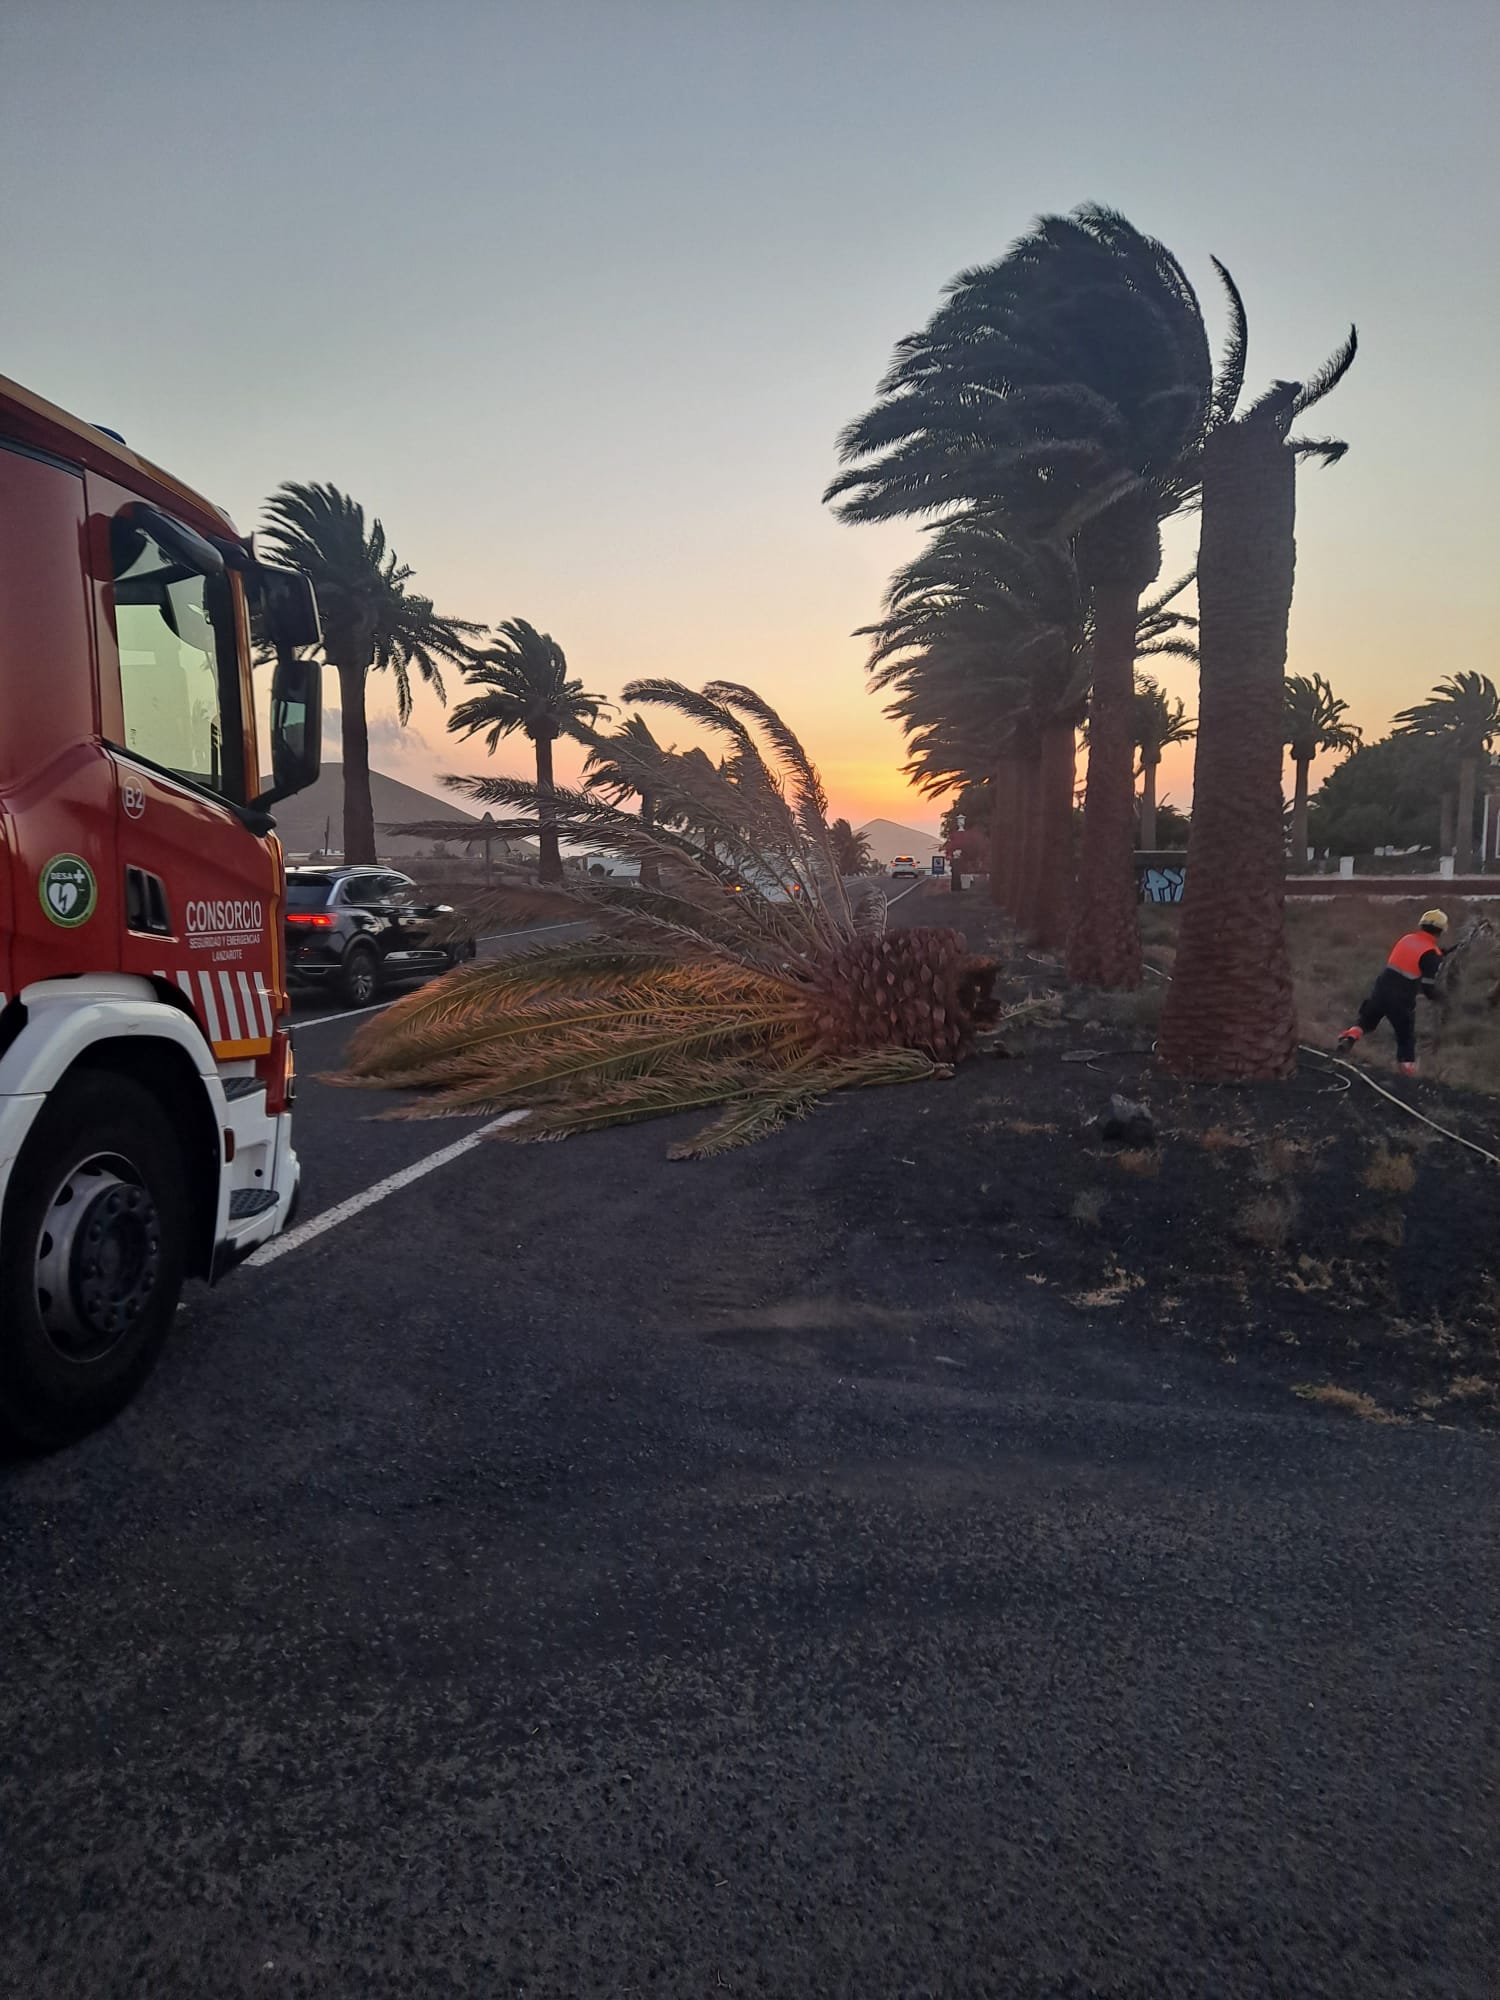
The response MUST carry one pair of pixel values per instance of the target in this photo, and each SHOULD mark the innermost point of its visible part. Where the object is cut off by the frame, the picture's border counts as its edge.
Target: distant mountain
(888, 839)
(313, 821)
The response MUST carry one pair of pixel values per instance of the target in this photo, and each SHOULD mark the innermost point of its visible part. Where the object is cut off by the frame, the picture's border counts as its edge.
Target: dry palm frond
(747, 976)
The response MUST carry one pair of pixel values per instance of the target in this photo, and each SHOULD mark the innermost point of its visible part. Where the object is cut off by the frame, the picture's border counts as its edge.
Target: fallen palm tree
(747, 977)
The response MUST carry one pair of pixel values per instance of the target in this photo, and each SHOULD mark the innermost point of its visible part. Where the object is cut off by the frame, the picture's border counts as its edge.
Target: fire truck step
(242, 1086)
(245, 1202)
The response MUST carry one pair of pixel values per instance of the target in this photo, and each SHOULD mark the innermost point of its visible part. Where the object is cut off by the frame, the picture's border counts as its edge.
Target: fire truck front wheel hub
(98, 1258)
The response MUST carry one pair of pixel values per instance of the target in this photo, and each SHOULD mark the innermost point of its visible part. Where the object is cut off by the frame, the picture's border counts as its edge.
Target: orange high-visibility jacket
(1409, 955)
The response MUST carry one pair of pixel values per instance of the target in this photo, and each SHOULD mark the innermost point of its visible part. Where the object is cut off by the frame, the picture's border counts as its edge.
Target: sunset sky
(576, 297)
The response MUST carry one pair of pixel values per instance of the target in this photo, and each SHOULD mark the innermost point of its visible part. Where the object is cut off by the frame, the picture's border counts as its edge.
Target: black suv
(355, 928)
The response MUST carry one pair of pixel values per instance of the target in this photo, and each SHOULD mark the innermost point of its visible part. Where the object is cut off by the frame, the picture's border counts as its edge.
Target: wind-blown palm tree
(851, 850)
(989, 642)
(1230, 1012)
(752, 984)
(1462, 711)
(1068, 388)
(1314, 722)
(523, 684)
(371, 622)
(984, 644)
(630, 763)
(1159, 723)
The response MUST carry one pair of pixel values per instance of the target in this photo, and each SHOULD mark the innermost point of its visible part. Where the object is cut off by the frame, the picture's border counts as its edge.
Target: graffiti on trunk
(1162, 885)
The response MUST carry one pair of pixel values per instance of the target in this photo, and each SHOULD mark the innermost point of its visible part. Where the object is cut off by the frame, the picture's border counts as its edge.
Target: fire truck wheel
(92, 1248)
(359, 975)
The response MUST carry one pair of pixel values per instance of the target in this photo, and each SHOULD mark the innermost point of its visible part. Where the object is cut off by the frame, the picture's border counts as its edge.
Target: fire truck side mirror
(288, 609)
(296, 727)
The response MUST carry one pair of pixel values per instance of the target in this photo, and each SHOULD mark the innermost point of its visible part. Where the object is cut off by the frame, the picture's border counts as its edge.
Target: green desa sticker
(68, 890)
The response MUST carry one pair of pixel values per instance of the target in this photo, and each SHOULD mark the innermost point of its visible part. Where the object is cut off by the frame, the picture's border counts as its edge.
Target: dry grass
(1353, 1402)
(1469, 1388)
(1219, 1139)
(1389, 1171)
(1387, 1229)
(1118, 1285)
(1140, 1161)
(1024, 1128)
(1088, 1206)
(1276, 1159)
(1264, 1222)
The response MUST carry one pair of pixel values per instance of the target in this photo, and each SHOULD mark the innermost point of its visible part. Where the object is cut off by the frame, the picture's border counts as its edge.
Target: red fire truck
(145, 1067)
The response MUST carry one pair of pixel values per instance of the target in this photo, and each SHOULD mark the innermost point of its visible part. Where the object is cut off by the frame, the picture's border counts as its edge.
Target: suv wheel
(359, 976)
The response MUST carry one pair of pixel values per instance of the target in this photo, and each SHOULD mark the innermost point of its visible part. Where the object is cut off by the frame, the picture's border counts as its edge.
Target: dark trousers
(1393, 998)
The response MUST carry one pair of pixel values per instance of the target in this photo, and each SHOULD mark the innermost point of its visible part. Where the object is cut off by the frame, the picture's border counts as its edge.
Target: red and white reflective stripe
(211, 1008)
(233, 1007)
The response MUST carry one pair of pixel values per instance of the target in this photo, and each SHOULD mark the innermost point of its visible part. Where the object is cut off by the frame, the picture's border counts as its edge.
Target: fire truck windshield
(176, 657)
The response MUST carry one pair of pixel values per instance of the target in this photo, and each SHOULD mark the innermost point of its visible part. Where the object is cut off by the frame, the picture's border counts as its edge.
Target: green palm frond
(522, 683)
(1464, 708)
(370, 618)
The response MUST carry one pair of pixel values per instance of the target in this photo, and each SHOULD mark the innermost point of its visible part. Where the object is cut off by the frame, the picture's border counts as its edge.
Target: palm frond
(796, 1093)
(1329, 450)
(1231, 376)
(1328, 377)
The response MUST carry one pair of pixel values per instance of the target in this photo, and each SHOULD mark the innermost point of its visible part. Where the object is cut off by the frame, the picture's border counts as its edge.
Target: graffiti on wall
(1162, 885)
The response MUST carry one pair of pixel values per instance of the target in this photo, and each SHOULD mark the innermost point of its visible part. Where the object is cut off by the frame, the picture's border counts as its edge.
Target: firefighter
(1411, 969)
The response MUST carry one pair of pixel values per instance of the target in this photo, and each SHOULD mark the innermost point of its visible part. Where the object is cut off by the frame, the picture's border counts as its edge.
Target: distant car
(905, 864)
(358, 929)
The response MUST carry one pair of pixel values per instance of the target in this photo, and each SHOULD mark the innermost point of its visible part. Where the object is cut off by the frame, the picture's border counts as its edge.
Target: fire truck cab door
(198, 888)
(57, 817)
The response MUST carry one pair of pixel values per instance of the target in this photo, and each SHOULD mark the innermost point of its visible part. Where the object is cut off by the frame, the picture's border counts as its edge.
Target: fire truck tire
(359, 975)
(92, 1248)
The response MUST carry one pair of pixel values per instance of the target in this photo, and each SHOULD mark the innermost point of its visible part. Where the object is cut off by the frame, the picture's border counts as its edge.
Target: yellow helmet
(1434, 920)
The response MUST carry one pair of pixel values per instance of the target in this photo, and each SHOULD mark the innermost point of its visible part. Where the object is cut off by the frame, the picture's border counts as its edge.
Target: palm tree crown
(370, 618)
(628, 762)
(1463, 707)
(371, 621)
(524, 684)
(1160, 721)
(1068, 379)
(1315, 719)
(851, 850)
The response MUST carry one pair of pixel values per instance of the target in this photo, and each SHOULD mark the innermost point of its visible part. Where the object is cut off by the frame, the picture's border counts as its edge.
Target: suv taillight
(317, 920)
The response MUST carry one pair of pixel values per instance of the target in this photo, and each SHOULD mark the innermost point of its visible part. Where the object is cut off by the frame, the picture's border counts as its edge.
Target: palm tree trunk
(359, 812)
(1445, 824)
(1028, 842)
(650, 871)
(1056, 872)
(1003, 827)
(1148, 803)
(1468, 775)
(550, 868)
(1104, 948)
(1230, 1011)
(1301, 766)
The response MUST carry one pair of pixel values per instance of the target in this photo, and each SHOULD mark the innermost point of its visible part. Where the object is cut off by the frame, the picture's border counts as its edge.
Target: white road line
(322, 1020)
(536, 930)
(905, 892)
(343, 1211)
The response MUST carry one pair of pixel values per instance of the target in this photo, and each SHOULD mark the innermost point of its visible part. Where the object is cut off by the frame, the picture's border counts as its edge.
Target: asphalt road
(583, 1575)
